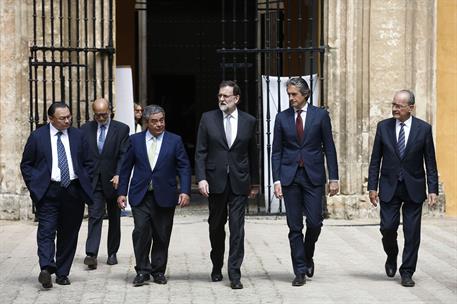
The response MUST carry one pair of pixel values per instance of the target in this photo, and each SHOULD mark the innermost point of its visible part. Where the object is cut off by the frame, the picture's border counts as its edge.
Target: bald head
(101, 110)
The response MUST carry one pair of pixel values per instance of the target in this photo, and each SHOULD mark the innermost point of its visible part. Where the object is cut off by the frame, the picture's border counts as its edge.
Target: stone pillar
(375, 48)
(16, 32)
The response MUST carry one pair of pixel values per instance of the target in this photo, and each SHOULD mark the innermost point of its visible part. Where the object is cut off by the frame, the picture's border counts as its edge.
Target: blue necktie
(62, 162)
(101, 138)
(401, 140)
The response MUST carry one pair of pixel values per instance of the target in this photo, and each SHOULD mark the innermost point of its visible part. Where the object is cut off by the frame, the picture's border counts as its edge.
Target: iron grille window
(71, 56)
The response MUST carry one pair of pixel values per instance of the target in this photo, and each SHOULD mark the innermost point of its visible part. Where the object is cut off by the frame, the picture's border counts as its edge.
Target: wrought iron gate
(272, 38)
(71, 56)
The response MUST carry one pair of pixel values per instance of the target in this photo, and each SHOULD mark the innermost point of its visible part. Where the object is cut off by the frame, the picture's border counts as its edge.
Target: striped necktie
(62, 162)
(401, 140)
(101, 138)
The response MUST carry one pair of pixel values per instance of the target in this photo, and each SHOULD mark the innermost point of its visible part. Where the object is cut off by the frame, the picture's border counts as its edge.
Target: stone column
(375, 48)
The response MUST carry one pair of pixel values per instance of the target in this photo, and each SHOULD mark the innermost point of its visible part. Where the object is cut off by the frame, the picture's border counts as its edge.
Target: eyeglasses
(219, 96)
(139, 110)
(399, 106)
(101, 115)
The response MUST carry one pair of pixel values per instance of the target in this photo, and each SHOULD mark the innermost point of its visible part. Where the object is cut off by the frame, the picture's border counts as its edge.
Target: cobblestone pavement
(349, 266)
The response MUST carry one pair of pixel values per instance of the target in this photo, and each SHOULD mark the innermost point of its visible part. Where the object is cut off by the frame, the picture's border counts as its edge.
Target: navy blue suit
(303, 187)
(58, 209)
(402, 185)
(153, 211)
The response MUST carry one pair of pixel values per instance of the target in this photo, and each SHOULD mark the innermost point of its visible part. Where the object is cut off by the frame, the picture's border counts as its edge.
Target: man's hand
(373, 195)
(333, 188)
(278, 190)
(254, 191)
(432, 199)
(183, 200)
(203, 187)
(115, 181)
(122, 201)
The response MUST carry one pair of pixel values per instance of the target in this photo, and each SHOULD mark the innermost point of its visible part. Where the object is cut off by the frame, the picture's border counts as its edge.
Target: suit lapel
(412, 136)
(290, 123)
(393, 137)
(219, 122)
(163, 150)
(47, 145)
(310, 116)
(73, 149)
(93, 138)
(112, 130)
(144, 148)
(240, 123)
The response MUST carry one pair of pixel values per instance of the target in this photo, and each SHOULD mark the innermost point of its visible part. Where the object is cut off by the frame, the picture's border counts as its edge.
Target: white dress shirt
(406, 128)
(302, 114)
(159, 139)
(55, 172)
(106, 129)
(233, 124)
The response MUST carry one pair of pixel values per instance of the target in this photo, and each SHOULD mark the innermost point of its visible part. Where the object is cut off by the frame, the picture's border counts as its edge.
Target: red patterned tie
(300, 133)
(299, 127)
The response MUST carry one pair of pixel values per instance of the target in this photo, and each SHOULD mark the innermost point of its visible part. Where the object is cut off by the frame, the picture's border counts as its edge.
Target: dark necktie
(62, 162)
(299, 127)
(300, 134)
(401, 140)
(101, 138)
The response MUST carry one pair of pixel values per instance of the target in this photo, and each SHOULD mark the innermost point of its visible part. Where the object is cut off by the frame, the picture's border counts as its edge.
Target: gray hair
(152, 109)
(300, 83)
(411, 99)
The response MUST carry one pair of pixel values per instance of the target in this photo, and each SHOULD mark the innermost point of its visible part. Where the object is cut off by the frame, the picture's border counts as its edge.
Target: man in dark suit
(156, 157)
(302, 135)
(56, 173)
(402, 145)
(107, 142)
(225, 161)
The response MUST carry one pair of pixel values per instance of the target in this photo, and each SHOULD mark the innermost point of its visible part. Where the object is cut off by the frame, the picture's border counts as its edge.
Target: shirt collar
(304, 108)
(54, 130)
(406, 122)
(149, 136)
(234, 114)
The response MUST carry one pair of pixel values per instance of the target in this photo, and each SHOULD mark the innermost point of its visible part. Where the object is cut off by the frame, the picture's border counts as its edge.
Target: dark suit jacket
(317, 141)
(385, 156)
(172, 162)
(108, 163)
(213, 155)
(36, 164)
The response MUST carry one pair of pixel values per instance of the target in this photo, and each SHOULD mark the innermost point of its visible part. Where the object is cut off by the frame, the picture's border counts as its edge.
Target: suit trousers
(303, 197)
(59, 212)
(390, 220)
(153, 225)
(95, 223)
(220, 205)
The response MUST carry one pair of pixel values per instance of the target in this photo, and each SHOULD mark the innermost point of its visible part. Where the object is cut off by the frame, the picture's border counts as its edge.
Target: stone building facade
(374, 48)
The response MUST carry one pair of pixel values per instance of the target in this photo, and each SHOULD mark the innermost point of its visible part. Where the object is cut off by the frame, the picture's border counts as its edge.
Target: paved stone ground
(349, 266)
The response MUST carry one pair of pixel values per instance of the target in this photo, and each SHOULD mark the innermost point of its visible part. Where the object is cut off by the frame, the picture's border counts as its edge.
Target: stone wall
(375, 48)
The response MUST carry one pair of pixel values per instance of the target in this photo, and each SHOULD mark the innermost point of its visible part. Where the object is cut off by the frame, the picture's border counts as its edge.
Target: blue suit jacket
(317, 141)
(36, 164)
(172, 162)
(385, 156)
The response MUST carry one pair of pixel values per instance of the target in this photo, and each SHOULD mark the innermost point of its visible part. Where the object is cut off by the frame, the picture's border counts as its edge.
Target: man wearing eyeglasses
(107, 143)
(225, 161)
(402, 146)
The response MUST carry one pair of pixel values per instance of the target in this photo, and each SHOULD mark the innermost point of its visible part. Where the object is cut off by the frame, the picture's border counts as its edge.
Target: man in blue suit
(302, 135)
(402, 145)
(156, 158)
(56, 172)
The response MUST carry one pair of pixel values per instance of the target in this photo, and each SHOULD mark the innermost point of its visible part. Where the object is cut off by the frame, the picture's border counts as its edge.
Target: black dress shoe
(300, 280)
(159, 278)
(112, 259)
(391, 268)
(45, 279)
(63, 280)
(91, 262)
(309, 271)
(407, 281)
(141, 279)
(216, 276)
(236, 284)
